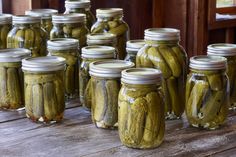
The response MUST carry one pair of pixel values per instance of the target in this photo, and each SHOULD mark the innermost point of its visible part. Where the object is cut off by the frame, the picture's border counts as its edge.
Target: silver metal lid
(208, 62)
(43, 64)
(141, 76)
(78, 4)
(109, 68)
(5, 18)
(21, 19)
(98, 52)
(101, 38)
(43, 13)
(13, 55)
(134, 45)
(69, 18)
(109, 12)
(222, 49)
(62, 44)
(162, 34)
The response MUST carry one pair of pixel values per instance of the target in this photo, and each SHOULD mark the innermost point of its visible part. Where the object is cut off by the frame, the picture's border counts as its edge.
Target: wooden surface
(77, 136)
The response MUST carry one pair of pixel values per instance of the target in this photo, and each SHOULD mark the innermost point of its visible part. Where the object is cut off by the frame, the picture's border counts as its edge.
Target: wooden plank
(229, 36)
(158, 13)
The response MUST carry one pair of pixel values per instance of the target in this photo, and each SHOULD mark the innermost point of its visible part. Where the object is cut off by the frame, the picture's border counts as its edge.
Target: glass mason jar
(102, 39)
(229, 52)
(44, 88)
(91, 54)
(207, 92)
(68, 49)
(141, 115)
(111, 20)
(70, 26)
(105, 87)
(5, 27)
(162, 51)
(11, 78)
(45, 15)
(132, 48)
(27, 33)
(81, 6)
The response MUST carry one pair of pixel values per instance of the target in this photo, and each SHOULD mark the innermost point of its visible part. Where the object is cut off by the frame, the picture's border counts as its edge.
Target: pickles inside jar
(162, 51)
(229, 52)
(111, 20)
(44, 88)
(105, 86)
(68, 49)
(11, 78)
(91, 54)
(141, 116)
(5, 27)
(207, 92)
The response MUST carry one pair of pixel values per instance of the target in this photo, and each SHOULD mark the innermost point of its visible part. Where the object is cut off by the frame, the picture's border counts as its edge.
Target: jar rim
(13, 54)
(43, 13)
(69, 18)
(22, 19)
(222, 49)
(109, 12)
(78, 4)
(62, 44)
(5, 18)
(134, 45)
(98, 52)
(162, 34)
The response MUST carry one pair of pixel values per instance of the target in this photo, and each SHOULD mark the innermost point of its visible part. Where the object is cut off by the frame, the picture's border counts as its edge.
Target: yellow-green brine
(81, 6)
(229, 52)
(141, 115)
(163, 51)
(132, 48)
(207, 92)
(11, 78)
(5, 27)
(111, 20)
(105, 87)
(44, 88)
(91, 54)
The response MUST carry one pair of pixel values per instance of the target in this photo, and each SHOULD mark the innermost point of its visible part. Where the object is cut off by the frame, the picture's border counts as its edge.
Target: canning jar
(70, 26)
(102, 39)
(44, 88)
(141, 115)
(45, 15)
(81, 6)
(27, 33)
(229, 52)
(105, 87)
(11, 78)
(132, 48)
(111, 20)
(162, 51)
(68, 49)
(5, 27)
(91, 54)
(207, 92)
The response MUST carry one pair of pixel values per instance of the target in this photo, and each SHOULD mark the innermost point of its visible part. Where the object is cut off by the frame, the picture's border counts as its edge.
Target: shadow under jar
(27, 33)
(11, 78)
(110, 20)
(207, 92)
(141, 116)
(162, 51)
(229, 52)
(44, 88)
(105, 87)
(5, 27)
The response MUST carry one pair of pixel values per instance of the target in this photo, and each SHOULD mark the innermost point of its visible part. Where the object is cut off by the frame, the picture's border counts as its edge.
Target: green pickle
(207, 92)
(44, 89)
(110, 20)
(141, 118)
(5, 27)
(162, 51)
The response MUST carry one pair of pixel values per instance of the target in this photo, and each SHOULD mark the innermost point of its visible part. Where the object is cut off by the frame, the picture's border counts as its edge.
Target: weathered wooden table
(77, 136)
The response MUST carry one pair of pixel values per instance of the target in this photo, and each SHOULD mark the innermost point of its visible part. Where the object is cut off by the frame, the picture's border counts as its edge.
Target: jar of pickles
(105, 87)
(81, 6)
(102, 39)
(27, 33)
(44, 88)
(70, 26)
(141, 116)
(45, 15)
(162, 51)
(91, 54)
(229, 52)
(132, 48)
(11, 78)
(111, 20)
(68, 49)
(207, 92)
(5, 27)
